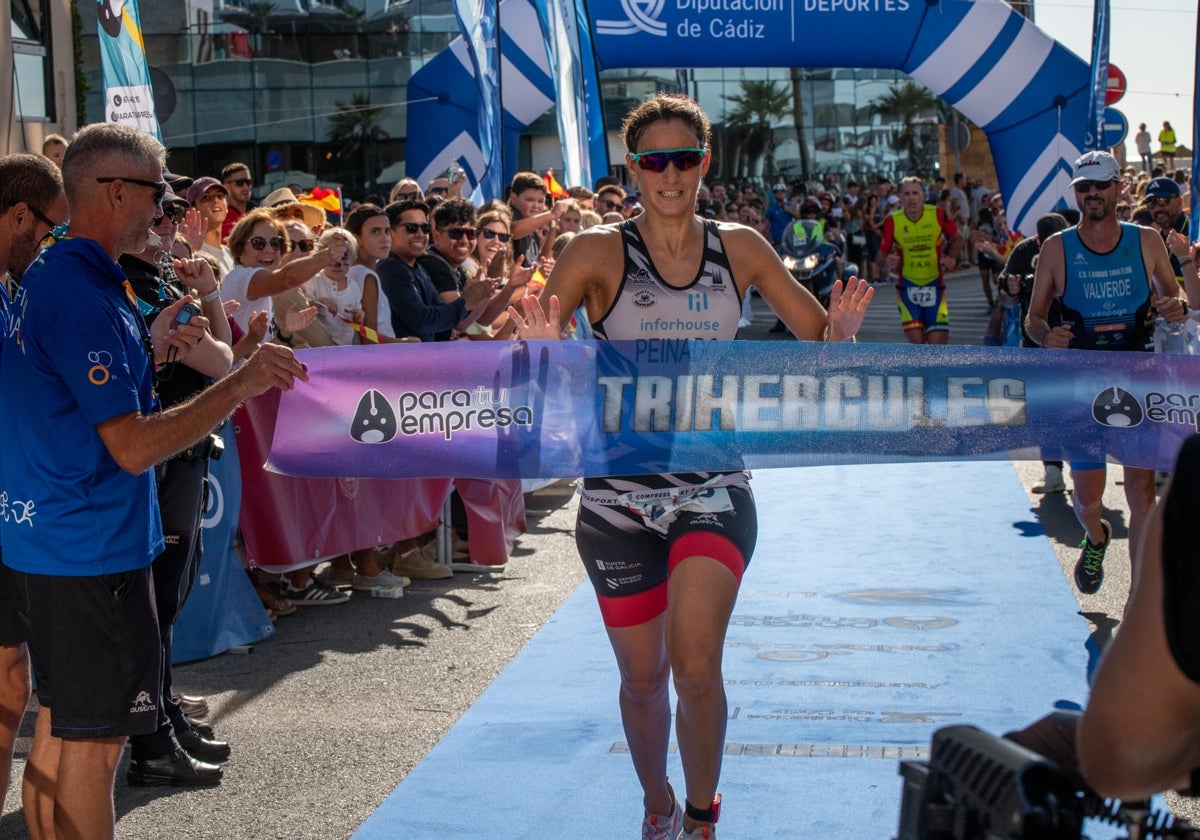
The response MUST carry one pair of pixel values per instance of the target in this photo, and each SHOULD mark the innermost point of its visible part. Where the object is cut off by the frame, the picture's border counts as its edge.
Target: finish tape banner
(563, 409)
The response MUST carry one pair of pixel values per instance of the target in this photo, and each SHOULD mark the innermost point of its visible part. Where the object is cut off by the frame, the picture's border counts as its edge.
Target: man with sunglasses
(81, 524)
(178, 753)
(1162, 210)
(238, 182)
(452, 242)
(417, 308)
(610, 199)
(27, 183)
(1110, 279)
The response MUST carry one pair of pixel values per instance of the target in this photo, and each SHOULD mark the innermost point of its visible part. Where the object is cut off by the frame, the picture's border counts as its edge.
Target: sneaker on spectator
(366, 583)
(658, 827)
(335, 577)
(700, 832)
(417, 565)
(478, 568)
(315, 594)
(1089, 571)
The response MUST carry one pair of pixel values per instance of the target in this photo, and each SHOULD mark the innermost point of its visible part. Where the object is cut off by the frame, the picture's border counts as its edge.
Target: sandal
(283, 606)
(276, 607)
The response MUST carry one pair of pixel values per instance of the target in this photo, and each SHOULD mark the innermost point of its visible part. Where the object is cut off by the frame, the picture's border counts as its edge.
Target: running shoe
(701, 832)
(315, 594)
(658, 827)
(1089, 571)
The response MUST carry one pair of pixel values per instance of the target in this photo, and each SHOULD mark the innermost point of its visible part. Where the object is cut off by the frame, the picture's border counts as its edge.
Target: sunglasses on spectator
(1087, 186)
(657, 160)
(1157, 201)
(159, 187)
(611, 205)
(408, 196)
(457, 233)
(488, 233)
(276, 243)
(241, 182)
(411, 228)
(304, 245)
(438, 190)
(175, 213)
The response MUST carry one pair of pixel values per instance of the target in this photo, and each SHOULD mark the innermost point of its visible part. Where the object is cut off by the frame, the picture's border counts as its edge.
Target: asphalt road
(328, 716)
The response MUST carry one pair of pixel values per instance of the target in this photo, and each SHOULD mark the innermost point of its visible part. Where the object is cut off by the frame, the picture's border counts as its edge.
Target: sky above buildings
(1153, 42)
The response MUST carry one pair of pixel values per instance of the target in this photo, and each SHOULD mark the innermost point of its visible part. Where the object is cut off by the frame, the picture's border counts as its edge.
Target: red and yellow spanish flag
(325, 199)
(553, 187)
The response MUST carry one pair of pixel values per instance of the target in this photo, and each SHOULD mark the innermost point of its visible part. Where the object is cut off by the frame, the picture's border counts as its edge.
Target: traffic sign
(1116, 126)
(1116, 86)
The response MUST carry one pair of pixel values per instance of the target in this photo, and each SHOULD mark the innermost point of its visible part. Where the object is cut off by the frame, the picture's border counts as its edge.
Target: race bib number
(924, 296)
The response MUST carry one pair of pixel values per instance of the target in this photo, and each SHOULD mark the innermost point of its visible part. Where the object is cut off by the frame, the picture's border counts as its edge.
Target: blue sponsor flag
(128, 96)
(1094, 135)
(479, 22)
(597, 138)
(576, 86)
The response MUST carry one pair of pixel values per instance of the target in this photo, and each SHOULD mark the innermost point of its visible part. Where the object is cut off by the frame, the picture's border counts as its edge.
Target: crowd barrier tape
(583, 408)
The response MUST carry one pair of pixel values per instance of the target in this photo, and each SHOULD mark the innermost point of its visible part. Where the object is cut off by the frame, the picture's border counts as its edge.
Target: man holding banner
(1111, 278)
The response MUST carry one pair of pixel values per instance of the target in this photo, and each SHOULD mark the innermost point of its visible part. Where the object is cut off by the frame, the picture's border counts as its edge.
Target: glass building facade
(306, 91)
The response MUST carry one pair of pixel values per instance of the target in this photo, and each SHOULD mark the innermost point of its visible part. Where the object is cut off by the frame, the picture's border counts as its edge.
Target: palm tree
(754, 110)
(798, 121)
(356, 128)
(909, 104)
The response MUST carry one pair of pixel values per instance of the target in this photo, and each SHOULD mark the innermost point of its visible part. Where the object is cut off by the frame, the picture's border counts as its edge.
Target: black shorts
(12, 631)
(629, 562)
(95, 650)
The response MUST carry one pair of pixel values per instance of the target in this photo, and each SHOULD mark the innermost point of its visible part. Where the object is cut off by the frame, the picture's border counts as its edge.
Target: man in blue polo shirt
(79, 519)
(32, 202)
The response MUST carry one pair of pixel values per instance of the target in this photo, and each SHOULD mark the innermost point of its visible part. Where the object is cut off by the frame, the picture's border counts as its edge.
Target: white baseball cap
(1096, 166)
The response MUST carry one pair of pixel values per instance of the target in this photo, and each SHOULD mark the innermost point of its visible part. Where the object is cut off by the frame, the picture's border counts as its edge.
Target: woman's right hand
(534, 324)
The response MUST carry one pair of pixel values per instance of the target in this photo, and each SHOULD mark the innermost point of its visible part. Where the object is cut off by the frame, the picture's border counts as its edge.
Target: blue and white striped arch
(1027, 91)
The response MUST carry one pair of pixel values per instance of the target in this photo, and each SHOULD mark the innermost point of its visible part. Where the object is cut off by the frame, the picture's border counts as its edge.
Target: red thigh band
(708, 544)
(632, 610)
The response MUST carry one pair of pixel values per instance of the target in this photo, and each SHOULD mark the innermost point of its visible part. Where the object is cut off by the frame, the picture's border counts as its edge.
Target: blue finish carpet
(882, 603)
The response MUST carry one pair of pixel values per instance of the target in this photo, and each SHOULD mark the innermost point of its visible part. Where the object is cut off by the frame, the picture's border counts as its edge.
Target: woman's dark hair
(357, 217)
(665, 106)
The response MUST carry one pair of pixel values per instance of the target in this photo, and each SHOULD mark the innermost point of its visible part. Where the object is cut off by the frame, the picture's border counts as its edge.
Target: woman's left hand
(848, 307)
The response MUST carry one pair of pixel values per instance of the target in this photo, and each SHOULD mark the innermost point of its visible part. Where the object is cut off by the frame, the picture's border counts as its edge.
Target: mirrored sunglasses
(657, 160)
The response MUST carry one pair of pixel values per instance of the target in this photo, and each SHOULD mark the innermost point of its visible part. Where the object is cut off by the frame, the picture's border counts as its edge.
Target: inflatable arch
(1024, 89)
